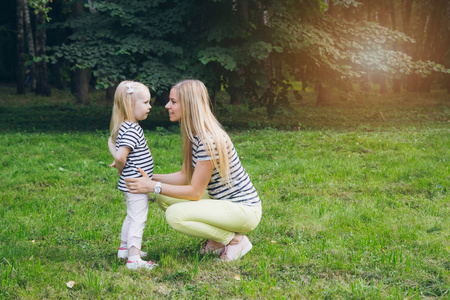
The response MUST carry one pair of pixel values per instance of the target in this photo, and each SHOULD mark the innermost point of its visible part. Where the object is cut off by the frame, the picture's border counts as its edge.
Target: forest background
(261, 53)
(339, 110)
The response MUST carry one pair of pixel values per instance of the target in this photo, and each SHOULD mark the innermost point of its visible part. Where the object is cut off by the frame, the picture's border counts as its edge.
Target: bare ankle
(236, 239)
(133, 251)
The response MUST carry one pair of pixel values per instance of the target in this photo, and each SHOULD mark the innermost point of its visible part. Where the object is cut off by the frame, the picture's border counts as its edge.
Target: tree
(253, 49)
(20, 81)
(31, 48)
(279, 41)
(120, 41)
(424, 20)
(80, 76)
(245, 47)
(337, 52)
(41, 10)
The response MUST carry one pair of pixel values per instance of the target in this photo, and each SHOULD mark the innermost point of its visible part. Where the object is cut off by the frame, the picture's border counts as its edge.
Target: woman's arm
(177, 178)
(193, 191)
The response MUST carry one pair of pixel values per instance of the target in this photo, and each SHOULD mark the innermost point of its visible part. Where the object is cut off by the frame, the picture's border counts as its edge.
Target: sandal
(210, 246)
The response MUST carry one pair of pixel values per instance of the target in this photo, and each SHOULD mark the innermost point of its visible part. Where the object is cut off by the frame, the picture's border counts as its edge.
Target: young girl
(231, 206)
(128, 146)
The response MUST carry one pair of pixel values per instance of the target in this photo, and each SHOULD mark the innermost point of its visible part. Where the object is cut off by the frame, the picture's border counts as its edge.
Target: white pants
(134, 224)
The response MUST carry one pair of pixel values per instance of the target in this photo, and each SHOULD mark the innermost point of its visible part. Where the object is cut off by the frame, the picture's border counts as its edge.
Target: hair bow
(130, 88)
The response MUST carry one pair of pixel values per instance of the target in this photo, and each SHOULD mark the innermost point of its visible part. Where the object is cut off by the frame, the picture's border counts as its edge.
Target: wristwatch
(157, 188)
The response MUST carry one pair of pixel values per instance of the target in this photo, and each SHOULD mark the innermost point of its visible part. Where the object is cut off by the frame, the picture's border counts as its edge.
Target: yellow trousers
(217, 220)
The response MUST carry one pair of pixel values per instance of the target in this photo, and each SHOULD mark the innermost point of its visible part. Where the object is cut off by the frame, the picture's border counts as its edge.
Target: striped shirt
(241, 190)
(131, 135)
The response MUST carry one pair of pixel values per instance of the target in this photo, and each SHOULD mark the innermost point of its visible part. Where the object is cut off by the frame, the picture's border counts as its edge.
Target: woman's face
(174, 107)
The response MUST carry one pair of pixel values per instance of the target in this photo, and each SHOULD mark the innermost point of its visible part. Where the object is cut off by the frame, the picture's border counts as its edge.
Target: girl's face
(174, 107)
(141, 104)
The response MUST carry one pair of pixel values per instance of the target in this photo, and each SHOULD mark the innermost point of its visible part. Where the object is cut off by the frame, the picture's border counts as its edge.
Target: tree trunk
(324, 94)
(397, 84)
(57, 79)
(213, 97)
(42, 85)
(243, 9)
(80, 76)
(369, 11)
(332, 11)
(406, 21)
(20, 75)
(425, 84)
(447, 82)
(31, 48)
(303, 77)
(380, 78)
(109, 94)
(81, 81)
(397, 79)
(382, 13)
(365, 81)
(418, 30)
(383, 20)
(431, 43)
(235, 80)
(406, 15)
(235, 96)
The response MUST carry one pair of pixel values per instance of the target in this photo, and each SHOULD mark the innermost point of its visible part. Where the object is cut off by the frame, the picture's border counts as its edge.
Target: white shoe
(140, 264)
(123, 253)
(233, 252)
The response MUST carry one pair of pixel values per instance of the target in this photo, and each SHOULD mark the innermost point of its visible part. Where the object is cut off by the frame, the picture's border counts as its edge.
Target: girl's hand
(113, 165)
(146, 141)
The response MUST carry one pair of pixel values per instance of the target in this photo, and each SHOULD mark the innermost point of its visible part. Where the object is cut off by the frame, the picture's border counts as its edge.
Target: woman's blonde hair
(123, 109)
(197, 119)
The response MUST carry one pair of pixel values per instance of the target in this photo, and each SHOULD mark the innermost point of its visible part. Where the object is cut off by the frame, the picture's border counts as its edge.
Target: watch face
(157, 188)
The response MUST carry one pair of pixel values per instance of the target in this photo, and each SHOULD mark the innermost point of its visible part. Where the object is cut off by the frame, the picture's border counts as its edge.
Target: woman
(231, 206)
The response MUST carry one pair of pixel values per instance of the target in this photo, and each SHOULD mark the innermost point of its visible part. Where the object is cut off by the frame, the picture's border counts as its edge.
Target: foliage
(124, 40)
(41, 6)
(336, 50)
(253, 49)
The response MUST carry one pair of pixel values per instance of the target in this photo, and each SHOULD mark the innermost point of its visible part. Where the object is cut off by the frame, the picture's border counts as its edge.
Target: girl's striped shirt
(132, 136)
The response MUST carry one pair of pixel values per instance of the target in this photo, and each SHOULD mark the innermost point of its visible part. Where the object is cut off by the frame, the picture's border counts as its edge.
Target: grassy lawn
(355, 206)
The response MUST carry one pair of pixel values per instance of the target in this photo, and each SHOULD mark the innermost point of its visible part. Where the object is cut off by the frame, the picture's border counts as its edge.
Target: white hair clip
(130, 88)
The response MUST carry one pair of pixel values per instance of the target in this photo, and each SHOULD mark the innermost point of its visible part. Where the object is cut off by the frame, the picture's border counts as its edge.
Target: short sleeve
(201, 152)
(130, 138)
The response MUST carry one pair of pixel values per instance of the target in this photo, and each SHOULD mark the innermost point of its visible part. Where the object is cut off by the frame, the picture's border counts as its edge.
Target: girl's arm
(193, 191)
(120, 156)
(111, 147)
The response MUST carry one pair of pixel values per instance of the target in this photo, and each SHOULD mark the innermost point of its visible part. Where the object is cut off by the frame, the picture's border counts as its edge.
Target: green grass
(358, 211)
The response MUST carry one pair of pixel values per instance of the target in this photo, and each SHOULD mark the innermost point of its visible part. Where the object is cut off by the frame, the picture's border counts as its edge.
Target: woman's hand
(143, 185)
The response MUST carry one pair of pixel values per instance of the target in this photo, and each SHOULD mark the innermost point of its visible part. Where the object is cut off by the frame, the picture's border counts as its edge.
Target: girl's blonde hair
(123, 109)
(197, 119)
